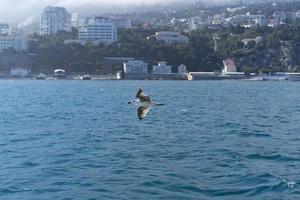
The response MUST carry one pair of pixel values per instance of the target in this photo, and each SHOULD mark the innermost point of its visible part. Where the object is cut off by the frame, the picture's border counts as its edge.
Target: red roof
(229, 62)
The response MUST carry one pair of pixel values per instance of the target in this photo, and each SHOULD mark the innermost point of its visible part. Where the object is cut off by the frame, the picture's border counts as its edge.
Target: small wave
(263, 125)
(30, 164)
(259, 189)
(283, 185)
(153, 183)
(289, 184)
(229, 125)
(275, 157)
(255, 135)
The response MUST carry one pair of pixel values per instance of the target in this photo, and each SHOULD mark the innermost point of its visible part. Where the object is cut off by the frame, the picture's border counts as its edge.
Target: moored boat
(59, 74)
(41, 76)
(86, 77)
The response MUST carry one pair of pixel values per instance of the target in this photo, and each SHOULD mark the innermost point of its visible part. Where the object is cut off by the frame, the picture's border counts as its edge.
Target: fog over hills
(12, 10)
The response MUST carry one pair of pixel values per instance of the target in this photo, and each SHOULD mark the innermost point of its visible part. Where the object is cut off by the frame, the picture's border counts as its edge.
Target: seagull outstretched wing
(142, 98)
(143, 111)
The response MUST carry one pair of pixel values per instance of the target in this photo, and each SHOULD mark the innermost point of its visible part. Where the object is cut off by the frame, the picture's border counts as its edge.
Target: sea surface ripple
(211, 140)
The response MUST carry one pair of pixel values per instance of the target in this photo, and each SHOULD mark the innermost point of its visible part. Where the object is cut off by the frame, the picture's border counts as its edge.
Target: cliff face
(286, 57)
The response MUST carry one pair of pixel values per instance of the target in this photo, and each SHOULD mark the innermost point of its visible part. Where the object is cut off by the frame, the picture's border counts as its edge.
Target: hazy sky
(11, 9)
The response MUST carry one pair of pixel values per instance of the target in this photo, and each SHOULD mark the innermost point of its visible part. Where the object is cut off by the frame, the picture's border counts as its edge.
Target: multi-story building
(182, 69)
(255, 40)
(98, 29)
(162, 68)
(123, 23)
(5, 29)
(6, 42)
(274, 21)
(16, 42)
(135, 66)
(217, 19)
(75, 20)
(197, 23)
(247, 20)
(277, 18)
(241, 20)
(282, 16)
(54, 19)
(171, 37)
(297, 14)
(12, 39)
(260, 20)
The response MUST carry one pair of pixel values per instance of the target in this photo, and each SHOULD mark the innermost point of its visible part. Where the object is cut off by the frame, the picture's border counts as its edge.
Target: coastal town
(150, 99)
(236, 40)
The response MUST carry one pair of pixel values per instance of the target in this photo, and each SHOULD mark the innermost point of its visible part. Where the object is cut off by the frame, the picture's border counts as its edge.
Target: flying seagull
(144, 103)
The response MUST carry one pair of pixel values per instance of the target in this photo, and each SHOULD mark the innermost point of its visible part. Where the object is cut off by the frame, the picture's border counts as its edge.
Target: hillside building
(54, 19)
(182, 69)
(229, 66)
(135, 66)
(98, 30)
(162, 68)
(170, 37)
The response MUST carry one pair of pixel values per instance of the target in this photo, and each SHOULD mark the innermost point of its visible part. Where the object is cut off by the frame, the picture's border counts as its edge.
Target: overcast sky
(11, 9)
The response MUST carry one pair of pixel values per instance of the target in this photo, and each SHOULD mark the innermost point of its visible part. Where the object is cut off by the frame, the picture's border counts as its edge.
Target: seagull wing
(140, 95)
(139, 92)
(143, 111)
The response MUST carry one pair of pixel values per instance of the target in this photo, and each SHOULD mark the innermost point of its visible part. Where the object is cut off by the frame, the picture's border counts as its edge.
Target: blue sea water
(211, 140)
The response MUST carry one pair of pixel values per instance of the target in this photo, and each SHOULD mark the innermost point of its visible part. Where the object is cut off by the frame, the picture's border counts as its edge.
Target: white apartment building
(217, 19)
(260, 20)
(248, 20)
(162, 68)
(54, 19)
(171, 37)
(5, 29)
(135, 66)
(182, 69)
(97, 30)
(17, 42)
(297, 14)
(75, 20)
(197, 23)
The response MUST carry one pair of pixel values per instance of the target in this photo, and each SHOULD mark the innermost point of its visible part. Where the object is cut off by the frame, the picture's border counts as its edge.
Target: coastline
(154, 77)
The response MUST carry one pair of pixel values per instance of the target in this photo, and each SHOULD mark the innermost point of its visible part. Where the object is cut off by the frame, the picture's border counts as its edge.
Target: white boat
(86, 77)
(119, 75)
(293, 76)
(59, 74)
(41, 76)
